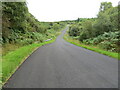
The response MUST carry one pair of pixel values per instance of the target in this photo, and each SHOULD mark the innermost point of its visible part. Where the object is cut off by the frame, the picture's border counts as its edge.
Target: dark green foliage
(19, 27)
(86, 30)
(108, 41)
(105, 5)
(74, 30)
(102, 31)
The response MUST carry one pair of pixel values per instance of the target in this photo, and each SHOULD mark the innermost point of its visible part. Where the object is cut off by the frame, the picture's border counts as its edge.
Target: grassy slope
(14, 59)
(93, 48)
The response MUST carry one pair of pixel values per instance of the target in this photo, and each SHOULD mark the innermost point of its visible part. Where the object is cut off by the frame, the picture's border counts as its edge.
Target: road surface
(63, 65)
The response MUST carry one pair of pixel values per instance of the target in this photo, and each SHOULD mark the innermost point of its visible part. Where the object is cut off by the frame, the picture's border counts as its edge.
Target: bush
(105, 45)
(74, 31)
(108, 41)
(82, 37)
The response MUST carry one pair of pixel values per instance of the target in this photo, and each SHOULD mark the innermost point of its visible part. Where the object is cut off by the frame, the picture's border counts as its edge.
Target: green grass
(93, 48)
(14, 59)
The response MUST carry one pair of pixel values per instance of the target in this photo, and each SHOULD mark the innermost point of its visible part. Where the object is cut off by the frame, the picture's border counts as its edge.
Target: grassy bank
(93, 48)
(14, 59)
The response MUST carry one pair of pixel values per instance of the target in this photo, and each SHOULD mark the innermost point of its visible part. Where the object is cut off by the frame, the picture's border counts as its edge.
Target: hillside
(19, 27)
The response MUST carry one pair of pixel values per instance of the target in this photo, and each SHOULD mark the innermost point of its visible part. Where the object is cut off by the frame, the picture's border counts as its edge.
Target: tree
(78, 20)
(105, 5)
(74, 31)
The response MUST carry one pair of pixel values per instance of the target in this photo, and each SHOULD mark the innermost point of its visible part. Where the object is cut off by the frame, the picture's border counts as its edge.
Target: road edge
(88, 48)
(24, 59)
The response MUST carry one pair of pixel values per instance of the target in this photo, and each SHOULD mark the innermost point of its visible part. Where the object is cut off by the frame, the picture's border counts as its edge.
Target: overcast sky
(57, 10)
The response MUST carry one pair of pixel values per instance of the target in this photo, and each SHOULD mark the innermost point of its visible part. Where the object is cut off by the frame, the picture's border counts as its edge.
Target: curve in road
(64, 65)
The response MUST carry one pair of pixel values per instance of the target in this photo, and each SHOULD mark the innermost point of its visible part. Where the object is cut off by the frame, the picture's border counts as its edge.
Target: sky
(59, 10)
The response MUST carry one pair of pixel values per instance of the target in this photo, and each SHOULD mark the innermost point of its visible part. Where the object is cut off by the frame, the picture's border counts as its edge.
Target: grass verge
(14, 59)
(93, 48)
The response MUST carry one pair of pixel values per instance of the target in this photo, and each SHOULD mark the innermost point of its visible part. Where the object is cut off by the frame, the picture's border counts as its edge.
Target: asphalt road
(63, 65)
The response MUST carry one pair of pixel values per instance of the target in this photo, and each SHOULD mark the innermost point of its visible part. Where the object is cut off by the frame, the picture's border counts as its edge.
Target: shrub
(74, 31)
(105, 45)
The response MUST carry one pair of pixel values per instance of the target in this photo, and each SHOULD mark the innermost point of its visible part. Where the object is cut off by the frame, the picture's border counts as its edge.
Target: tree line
(19, 27)
(101, 31)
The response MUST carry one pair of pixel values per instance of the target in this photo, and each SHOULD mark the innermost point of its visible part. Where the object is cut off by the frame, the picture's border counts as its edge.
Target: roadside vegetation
(15, 58)
(90, 47)
(101, 32)
(19, 27)
(21, 34)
